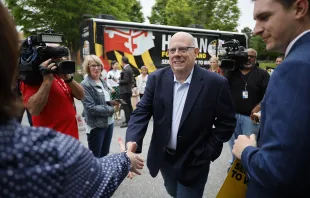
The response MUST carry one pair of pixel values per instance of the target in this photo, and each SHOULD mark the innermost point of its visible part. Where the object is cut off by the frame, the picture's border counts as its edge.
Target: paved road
(146, 186)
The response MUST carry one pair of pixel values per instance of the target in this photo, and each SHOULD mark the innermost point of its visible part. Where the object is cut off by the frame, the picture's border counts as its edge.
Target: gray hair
(251, 50)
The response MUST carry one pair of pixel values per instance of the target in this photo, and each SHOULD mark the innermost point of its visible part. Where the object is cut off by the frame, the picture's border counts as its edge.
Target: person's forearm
(77, 90)
(256, 108)
(37, 102)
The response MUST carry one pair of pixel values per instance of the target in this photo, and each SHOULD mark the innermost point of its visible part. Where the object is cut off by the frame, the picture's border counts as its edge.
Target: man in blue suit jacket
(279, 166)
(193, 115)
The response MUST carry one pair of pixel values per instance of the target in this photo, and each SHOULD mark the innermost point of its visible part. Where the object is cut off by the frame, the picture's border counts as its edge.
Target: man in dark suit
(193, 115)
(125, 89)
(278, 166)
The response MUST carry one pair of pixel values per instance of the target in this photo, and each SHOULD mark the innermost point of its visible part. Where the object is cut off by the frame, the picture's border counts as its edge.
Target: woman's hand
(136, 161)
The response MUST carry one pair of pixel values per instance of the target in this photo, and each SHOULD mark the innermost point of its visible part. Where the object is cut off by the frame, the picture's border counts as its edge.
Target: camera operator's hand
(65, 76)
(48, 65)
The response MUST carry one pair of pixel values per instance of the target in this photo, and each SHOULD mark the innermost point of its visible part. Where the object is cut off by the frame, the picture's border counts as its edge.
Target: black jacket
(126, 80)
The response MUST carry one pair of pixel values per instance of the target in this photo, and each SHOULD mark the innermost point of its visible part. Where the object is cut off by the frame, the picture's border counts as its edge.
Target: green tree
(248, 32)
(258, 44)
(212, 14)
(179, 13)
(202, 11)
(135, 14)
(65, 16)
(158, 14)
(225, 16)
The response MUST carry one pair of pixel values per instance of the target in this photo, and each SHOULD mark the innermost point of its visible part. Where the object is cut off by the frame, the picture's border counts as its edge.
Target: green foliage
(158, 14)
(226, 15)
(248, 32)
(263, 65)
(202, 11)
(179, 13)
(135, 14)
(78, 77)
(257, 43)
(65, 16)
(212, 14)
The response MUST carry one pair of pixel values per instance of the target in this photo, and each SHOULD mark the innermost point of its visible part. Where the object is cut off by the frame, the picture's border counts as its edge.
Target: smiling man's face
(182, 53)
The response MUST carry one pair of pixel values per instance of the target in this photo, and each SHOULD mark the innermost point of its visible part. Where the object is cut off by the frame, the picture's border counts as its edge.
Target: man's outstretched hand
(136, 161)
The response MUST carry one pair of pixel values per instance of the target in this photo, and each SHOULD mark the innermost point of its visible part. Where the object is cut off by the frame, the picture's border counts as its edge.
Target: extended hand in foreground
(136, 161)
(241, 143)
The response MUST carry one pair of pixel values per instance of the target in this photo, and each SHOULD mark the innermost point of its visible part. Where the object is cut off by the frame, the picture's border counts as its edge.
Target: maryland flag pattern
(134, 44)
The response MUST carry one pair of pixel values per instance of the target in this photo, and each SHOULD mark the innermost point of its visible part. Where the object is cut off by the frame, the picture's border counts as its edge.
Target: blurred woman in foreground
(39, 162)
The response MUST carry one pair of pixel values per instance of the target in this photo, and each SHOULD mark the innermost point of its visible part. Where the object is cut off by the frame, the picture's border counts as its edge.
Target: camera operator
(248, 84)
(51, 104)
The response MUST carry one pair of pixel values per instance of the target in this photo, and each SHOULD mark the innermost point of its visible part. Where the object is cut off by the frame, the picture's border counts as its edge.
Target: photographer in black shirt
(248, 84)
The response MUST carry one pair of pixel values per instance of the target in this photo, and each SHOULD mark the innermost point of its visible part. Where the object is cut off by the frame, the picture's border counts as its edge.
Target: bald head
(188, 38)
(182, 54)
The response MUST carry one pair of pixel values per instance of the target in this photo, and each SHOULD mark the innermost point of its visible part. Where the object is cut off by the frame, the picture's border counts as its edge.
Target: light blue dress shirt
(180, 91)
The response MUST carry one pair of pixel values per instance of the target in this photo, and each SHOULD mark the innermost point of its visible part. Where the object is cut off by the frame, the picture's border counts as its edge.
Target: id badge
(245, 94)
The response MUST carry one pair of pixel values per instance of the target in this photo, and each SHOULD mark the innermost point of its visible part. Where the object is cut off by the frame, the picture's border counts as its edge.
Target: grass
(263, 64)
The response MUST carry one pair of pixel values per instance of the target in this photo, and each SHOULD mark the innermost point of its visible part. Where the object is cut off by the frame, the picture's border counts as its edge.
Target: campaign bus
(147, 44)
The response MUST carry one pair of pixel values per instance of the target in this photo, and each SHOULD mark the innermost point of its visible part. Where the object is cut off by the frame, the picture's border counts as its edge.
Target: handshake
(136, 162)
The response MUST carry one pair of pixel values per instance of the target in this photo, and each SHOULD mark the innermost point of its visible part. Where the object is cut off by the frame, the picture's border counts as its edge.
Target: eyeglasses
(182, 50)
(251, 56)
(94, 66)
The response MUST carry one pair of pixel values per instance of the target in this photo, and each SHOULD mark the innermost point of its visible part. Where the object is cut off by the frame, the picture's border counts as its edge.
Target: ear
(302, 8)
(196, 51)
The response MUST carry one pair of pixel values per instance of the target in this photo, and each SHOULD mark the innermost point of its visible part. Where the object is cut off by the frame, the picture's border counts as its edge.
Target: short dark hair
(112, 63)
(10, 104)
(125, 60)
(287, 3)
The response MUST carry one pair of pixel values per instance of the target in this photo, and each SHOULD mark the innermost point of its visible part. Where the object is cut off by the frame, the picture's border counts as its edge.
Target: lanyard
(246, 82)
(64, 87)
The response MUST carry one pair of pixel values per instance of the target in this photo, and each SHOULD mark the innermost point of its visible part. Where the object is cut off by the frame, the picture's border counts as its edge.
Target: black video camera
(235, 58)
(34, 51)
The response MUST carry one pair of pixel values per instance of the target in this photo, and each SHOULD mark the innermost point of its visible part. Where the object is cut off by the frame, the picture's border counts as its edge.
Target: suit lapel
(168, 85)
(192, 94)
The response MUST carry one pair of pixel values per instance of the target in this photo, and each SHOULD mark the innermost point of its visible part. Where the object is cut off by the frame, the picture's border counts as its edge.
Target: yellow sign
(235, 184)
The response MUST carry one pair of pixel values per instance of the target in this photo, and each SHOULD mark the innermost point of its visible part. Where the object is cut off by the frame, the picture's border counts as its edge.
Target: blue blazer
(280, 168)
(208, 103)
